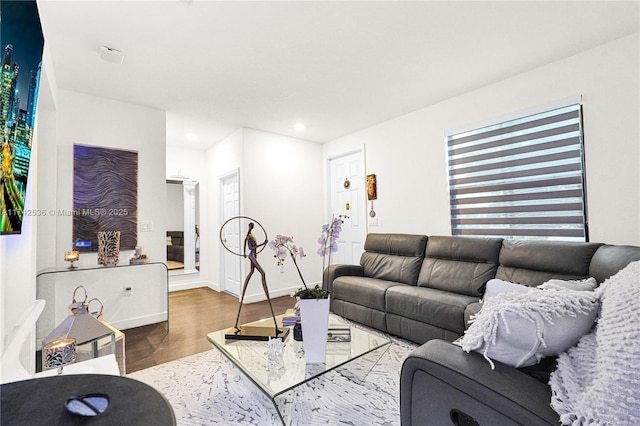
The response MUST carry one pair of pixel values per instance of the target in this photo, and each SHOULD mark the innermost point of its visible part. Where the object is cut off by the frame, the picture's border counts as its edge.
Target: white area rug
(207, 389)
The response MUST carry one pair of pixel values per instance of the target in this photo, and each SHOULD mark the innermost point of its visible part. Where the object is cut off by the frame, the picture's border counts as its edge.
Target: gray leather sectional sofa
(424, 289)
(175, 251)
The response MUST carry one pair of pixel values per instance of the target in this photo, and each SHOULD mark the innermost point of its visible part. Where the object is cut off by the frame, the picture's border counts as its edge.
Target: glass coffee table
(354, 358)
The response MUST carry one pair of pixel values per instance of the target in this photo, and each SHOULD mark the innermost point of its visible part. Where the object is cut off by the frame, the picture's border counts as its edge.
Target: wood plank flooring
(192, 315)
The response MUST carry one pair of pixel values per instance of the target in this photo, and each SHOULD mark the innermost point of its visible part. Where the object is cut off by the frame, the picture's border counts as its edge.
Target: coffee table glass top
(276, 377)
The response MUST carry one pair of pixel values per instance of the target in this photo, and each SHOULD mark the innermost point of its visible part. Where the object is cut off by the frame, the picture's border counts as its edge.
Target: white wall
(88, 120)
(47, 127)
(408, 153)
(221, 159)
(187, 162)
(281, 187)
(19, 268)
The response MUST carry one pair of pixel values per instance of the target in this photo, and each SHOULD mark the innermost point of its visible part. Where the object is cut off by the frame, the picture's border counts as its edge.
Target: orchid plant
(284, 246)
(329, 241)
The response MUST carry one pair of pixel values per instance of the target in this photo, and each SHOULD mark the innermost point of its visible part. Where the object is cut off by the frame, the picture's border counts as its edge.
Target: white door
(230, 193)
(348, 196)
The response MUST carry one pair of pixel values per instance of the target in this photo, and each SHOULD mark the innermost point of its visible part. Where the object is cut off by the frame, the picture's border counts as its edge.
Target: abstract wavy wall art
(105, 196)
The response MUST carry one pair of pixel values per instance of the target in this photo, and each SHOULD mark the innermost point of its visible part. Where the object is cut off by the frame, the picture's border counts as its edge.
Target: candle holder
(59, 353)
(72, 256)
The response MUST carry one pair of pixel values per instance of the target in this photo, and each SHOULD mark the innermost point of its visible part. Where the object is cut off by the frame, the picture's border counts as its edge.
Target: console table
(132, 295)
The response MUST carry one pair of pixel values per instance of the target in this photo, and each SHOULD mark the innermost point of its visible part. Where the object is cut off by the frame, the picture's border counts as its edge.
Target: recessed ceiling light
(300, 127)
(192, 136)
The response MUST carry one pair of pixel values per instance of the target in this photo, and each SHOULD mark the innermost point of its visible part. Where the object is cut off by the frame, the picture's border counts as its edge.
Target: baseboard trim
(140, 321)
(187, 285)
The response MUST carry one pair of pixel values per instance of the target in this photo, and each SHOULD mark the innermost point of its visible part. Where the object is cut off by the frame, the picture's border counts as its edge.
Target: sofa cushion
(429, 305)
(519, 329)
(459, 264)
(393, 257)
(495, 286)
(361, 314)
(588, 284)
(364, 291)
(532, 262)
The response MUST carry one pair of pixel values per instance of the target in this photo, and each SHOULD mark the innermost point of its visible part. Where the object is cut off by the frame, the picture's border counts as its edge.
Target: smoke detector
(111, 55)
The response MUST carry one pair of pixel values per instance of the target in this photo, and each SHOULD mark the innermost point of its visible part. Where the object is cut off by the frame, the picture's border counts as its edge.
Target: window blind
(522, 178)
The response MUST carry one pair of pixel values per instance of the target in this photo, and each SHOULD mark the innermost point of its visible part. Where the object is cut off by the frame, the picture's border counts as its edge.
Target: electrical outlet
(128, 290)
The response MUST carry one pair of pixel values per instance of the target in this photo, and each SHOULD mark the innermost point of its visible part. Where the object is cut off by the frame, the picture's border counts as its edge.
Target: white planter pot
(314, 314)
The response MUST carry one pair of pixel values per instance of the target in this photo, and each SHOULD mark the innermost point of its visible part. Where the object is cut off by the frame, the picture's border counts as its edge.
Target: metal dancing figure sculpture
(251, 248)
(251, 242)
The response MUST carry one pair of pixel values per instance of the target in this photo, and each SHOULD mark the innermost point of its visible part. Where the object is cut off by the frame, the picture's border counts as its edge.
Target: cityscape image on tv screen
(22, 44)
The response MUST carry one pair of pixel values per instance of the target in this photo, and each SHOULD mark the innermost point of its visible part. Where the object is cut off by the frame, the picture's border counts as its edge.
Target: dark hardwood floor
(192, 315)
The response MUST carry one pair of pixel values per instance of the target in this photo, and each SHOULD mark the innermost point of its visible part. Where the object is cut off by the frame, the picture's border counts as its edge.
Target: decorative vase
(108, 248)
(314, 314)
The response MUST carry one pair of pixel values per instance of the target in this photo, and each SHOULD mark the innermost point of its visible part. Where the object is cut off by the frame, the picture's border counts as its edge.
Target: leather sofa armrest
(442, 384)
(334, 271)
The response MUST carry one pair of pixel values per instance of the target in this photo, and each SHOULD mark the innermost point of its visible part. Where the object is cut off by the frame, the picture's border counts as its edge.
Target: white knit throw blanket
(597, 382)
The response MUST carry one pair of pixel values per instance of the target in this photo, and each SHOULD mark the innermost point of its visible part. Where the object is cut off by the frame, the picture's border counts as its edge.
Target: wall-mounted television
(22, 44)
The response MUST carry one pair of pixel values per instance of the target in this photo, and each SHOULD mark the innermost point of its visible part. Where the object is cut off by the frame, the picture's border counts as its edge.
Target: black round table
(42, 401)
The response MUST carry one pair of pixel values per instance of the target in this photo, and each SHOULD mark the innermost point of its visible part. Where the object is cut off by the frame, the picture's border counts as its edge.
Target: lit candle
(60, 352)
(71, 256)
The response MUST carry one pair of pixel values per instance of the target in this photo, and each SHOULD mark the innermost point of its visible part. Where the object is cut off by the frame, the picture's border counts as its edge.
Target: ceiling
(336, 66)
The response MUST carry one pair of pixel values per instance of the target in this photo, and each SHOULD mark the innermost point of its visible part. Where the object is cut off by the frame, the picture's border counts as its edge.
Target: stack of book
(289, 318)
(339, 334)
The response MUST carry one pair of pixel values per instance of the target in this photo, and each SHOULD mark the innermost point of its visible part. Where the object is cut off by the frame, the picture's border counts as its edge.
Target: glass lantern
(92, 337)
